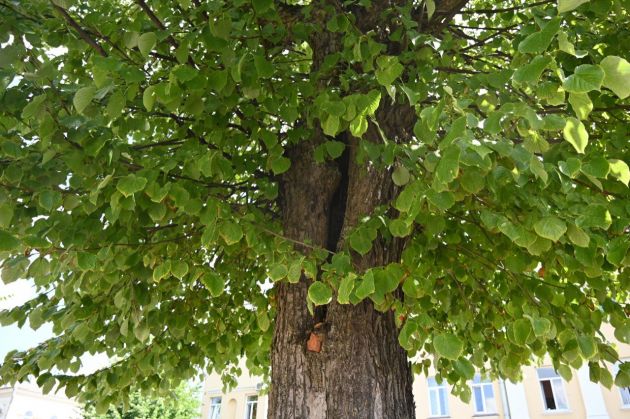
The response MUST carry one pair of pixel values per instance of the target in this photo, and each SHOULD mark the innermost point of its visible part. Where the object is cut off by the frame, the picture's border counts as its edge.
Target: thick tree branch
(82, 33)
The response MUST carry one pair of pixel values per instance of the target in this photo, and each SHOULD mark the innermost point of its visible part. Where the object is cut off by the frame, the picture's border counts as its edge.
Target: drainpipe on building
(507, 414)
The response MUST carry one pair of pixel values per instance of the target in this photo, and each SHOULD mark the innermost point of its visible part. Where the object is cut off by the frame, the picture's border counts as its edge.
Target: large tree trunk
(360, 371)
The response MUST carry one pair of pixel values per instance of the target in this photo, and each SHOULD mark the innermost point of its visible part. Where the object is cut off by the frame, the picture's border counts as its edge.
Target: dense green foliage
(182, 403)
(142, 145)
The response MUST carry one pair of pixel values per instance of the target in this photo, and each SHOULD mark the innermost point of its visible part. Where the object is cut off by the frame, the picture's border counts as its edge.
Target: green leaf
(622, 332)
(595, 216)
(148, 98)
(336, 108)
(616, 75)
(531, 72)
(6, 215)
(335, 148)
(8, 242)
(279, 164)
(217, 80)
(399, 228)
(472, 180)
(263, 67)
(345, 288)
(331, 125)
(365, 287)
(86, 261)
(575, 133)
(179, 269)
(141, 332)
(131, 184)
(442, 200)
(361, 241)
(262, 319)
(146, 43)
(564, 44)
(568, 5)
(617, 250)
(588, 346)
(620, 170)
(585, 78)
(448, 346)
(83, 97)
(214, 283)
(389, 69)
(406, 333)
(447, 168)
(622, 380)
(597, 167)
(400, 176)
(262, 5)
(541, 326)
(319, 293)
(581, 104)
(465, 368)
(358, 126)
(577, 236)
(551, 228)
(295, 271)
(277, 272)
(538, 42)
(162, 271)
(115, 105)
(49, 200)
(522, 329)
(231, 232)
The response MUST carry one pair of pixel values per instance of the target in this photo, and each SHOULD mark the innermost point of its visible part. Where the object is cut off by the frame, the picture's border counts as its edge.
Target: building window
(483, 394)
(252, 407)
(438, 398)
(215, 408)
(552, 388)
(624, 391)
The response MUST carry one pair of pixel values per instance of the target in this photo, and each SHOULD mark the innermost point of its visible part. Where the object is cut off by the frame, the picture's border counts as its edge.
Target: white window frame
(437, 388)
(554, 379)
(624, 392)
(482, 385)
(215, 407)
(251, 406)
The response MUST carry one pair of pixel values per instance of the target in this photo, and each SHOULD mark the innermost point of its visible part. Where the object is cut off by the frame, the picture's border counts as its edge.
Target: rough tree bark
(361, 371)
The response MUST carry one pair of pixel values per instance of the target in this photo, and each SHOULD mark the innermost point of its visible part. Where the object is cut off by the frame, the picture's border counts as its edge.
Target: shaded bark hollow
(361, 371)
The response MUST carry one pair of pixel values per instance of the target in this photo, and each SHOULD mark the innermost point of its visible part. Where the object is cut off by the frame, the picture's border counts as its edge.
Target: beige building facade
(542, 394)
(26, 401)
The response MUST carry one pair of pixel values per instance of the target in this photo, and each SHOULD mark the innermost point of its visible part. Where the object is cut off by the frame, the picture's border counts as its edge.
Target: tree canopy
(182, 403)
(145, 144)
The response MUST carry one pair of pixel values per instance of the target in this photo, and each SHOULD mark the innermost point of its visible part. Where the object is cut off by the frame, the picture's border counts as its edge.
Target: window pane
(478, 399)
(252, 407)
(547, 373)
(550, 402)
(560, 395)
(443, 402)
(625, 396)
(433, 399)
(491, 404)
